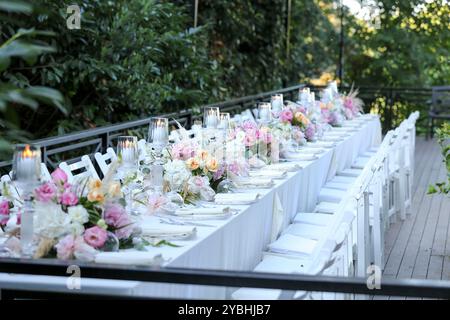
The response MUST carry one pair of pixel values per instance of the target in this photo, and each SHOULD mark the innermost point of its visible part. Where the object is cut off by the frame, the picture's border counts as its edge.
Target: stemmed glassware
(127, 151)
(26, 175)
(158, 137)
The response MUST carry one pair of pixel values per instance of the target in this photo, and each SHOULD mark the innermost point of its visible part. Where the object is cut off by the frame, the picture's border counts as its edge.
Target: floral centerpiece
(353, 105)
(76, 221)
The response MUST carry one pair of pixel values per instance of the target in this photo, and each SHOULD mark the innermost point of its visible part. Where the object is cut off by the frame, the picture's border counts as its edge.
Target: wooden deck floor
(419, 247)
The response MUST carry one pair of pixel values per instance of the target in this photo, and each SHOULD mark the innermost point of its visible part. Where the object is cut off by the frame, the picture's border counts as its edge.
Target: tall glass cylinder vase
(26, 176)
(158, 137)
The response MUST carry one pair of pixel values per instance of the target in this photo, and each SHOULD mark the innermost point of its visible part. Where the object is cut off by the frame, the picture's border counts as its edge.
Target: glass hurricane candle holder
(224, 121)
(26, 175)
(158, 134)
(127, 150)
(264, 112)
(277, 103)
(211, 117)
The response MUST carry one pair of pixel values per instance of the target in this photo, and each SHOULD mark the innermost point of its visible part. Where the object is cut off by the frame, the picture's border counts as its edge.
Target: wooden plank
(426, 243)
(446, 268)
(423, 214)
(398, 234)
(435, 268)
(396, 256)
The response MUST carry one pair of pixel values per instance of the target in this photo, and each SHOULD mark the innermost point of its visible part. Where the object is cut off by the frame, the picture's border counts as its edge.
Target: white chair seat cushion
(337, 185)
(316, 219)
(327, 207)
(331, 195)
(309, 231)
(343, 179)
(350, 172)
(360, 163)
(272, 264)
(290, 244)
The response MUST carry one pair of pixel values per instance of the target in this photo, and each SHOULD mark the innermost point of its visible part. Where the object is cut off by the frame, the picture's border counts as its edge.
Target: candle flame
(27, 153)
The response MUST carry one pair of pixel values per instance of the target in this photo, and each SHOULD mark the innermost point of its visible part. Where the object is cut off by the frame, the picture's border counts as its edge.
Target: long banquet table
(238, 242)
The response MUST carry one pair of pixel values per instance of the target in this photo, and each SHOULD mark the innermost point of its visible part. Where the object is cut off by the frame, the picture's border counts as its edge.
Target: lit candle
(27, 165)
(224, 122)
(277, 102)
(265, 112)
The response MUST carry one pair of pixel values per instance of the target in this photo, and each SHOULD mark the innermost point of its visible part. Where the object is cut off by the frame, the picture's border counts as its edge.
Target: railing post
(105, 142)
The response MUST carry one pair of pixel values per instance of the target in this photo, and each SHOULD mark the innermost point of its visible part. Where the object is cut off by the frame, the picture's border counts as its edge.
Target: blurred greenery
(136, 58)
(443, 135)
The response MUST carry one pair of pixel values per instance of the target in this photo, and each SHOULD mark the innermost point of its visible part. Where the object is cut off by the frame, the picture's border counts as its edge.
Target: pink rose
(95, 237)
(286, 115)
(65, 247)
(116, 217)
(112, 214)
(68, 198)
(46, 192)
(125, 228)
(71, 247)
(59, 176)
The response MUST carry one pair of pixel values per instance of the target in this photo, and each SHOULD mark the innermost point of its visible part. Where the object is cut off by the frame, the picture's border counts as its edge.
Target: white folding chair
(45, 174)
(80, 170)
(104, 160)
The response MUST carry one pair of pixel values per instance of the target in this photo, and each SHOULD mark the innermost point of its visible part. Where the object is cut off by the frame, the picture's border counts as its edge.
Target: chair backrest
(77, 171)
(440, 99)
(45, 174)
(104, 160)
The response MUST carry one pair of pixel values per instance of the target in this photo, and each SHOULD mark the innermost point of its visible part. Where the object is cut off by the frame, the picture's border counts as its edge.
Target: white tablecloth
(238, 242)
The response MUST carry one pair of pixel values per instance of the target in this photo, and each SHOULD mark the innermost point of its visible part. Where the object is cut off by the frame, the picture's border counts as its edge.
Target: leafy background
(136, 58)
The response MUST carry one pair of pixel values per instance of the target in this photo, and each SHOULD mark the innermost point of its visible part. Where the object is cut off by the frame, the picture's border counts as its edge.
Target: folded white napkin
(275, 174)
(253, 182)
(288, 243)
(201, 211)
(331, 138)
(299, 156)
(283, 166)
(236, 198)
(129, 258)
(166, 230)
(320, 144)
(308, 150)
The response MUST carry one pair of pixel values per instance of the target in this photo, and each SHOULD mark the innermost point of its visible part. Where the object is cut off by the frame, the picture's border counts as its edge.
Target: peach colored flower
(212, 164)
(115, 190)
(192, 164)
(203, 154)
(95, 184)
(96, 195)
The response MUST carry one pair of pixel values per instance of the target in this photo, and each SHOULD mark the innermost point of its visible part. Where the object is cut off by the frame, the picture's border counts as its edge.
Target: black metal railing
(393, 105)
(289, 282)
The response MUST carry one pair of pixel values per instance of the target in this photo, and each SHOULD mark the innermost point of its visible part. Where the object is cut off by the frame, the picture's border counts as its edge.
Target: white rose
(76, 229)
(78, 214)
(50, 221)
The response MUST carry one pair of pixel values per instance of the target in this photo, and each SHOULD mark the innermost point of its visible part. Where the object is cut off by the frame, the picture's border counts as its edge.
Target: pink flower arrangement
(46, 192)
(183, 150)
(69, 198)
(286, 115)
(59, 177)
(116, 217)
(95, 237)
(72, 246)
